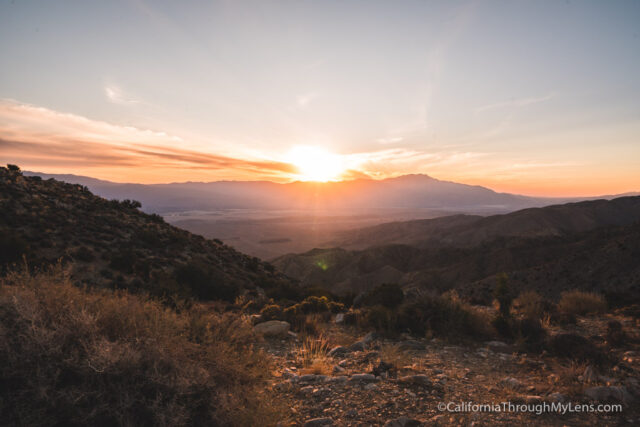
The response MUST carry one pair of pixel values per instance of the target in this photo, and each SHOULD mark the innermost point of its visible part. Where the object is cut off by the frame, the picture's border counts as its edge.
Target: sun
(315, 163)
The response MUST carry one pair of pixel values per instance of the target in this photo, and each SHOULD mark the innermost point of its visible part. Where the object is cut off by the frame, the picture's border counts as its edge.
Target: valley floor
(419, 376)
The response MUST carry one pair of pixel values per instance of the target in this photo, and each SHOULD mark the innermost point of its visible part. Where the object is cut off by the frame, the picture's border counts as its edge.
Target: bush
(581, 303)
(429, 314)
(576, 347)
(389, 295)
(272, 312)
(532, 305)
(502, 293)
(73, 357)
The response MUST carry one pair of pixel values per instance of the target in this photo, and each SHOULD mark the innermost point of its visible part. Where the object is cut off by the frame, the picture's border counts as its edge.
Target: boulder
(272, 328)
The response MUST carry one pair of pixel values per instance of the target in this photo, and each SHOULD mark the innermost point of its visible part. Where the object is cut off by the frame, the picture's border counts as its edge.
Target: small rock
(362, 378)
(370, 386)
(609, 393)
(511, 382)
(357, 346)
(340, 318)
(338, 369)
(255, 319)
(272, 328)
(338, 351)
(498, 347)
(532, 399)
(369, 338)
(337, 380)
(419, 379)
(318, 422)
(351, 413)
(557, 397)
(411, 345)
(402, 422)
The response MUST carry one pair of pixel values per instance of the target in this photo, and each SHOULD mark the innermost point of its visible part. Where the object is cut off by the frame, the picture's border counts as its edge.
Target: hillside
(472, 230)
(112, 244)
(548, 259)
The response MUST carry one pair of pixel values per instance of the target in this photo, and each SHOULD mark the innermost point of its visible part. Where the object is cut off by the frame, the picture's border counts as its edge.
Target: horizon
(468, 92)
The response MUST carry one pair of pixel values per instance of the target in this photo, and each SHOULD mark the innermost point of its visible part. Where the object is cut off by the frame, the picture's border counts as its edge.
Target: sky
(530, 97)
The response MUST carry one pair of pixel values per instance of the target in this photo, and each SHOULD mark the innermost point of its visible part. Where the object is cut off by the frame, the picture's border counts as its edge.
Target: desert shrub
(314, 305)
(581, 303)
(615, 334)
(13, 168)
(389, 295)
(156, 218)
(272, 312)
(429, 314)
(575, 347)
(533, 306)
(335, 307)
(131, 204)
(205, 283)
(502, 293)
(12, 248)
(529, 333)
(74, 357)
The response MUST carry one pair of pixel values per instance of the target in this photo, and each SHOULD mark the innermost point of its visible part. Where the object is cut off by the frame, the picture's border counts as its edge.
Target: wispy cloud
(39, 137)
(517, 102)
(390, 140)
(118, 96)
(305, 99)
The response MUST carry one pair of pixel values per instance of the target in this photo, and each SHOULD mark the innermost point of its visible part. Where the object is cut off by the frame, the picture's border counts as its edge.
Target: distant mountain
(405, 192)
(113, 244)
(472, 230)
(588, 245)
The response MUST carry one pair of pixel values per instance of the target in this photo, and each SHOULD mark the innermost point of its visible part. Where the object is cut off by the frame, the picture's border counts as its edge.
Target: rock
(557, 397)
(419, 379)
(292, 335)
(402, 422)
(411, 345)
(602, 394)
(318, 422)
(311, 378)
(357, 346)
(511, 382)
(498, 347)
(370, 386)
(381, 368)
(369, 338)
(351, 413)
(339, 379)
(272, 328)
(338, 351)
(362, 378)
(338, 369)
(340, 318)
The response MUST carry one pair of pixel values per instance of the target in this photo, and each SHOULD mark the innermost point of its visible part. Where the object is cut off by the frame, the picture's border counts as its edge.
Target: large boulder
(272, 328)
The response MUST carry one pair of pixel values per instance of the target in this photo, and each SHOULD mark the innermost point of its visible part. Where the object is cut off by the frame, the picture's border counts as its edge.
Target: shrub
(272, 312)
(73, 357)
(503, 295)
(532, 305)
(581, 303)
(576, 347)
(381, 319)
(336, 307)
(314, 305)
(13, 168)
(389, 295)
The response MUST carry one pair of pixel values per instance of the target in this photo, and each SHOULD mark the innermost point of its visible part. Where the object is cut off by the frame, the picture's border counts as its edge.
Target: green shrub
(581, 303)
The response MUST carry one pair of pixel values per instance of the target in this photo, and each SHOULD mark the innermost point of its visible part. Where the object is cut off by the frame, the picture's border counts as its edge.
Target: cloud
(117, 96)
(390, 140)
(33, 136)
(305, 99)
(518, 103)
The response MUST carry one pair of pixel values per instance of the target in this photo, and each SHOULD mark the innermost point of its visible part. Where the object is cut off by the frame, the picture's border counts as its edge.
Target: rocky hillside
(601, 259)
(112, 244)
(472, 230)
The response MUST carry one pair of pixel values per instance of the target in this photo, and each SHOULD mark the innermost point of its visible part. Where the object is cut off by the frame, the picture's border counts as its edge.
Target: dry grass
(312, 354)
(73, 357)
(581, 303)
